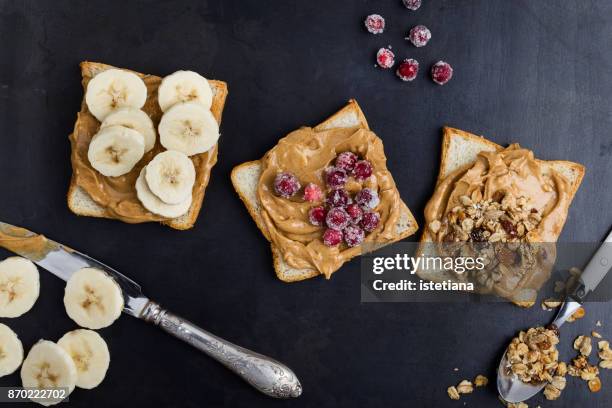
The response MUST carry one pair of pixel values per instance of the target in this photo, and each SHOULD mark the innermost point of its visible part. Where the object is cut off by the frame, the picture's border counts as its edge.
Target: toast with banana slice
(460, 150)
(88, 193)
(245, 178)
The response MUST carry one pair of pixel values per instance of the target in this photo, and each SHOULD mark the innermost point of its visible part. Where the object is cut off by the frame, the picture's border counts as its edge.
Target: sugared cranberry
(316, 215)
(362, 170)
(412, 4)
(385, 58)
(346, 161)
(312, 193)
(367, 198)
(286, 185)
(353, 235)
(332, 237)
(338, 198)
(370, 221)
(441, 72)
(408, 69)
(375, 23)
(337, 218)
(335, 177)
(355, 212)
(419, 36)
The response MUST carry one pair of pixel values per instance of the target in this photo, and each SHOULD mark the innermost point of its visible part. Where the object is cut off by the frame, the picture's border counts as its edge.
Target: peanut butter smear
(306, 153)
(118, 194)
(512, 172)
(24, 242)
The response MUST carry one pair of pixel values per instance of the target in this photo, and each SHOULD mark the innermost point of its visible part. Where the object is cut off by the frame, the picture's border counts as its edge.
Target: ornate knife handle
(267, 375)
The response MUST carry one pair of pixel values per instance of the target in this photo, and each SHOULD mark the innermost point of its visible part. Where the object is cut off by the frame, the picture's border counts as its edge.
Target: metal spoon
(510, 387)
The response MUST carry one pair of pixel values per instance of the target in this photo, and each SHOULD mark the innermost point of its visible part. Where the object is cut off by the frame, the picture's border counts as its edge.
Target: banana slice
(152, 203)
(184, 86)
(11, 351)
(90, 355)
(188, 128)
(115, 150)
(92, 298)
(19, 286)
(134, 119)
(48, 366)
(171, 176)
(112, 89)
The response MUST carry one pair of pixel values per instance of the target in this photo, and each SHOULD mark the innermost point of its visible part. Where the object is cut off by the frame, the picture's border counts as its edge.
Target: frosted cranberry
(355, 212)
(367, 198)
(441, 72)
(316, 215)
(353, 235)
(335, 177)
(286, 185)
(412, 4)
(346, 161)
(385, 58)
(370, 221)
(362, 170)
(408, 69)
(375, 23)
(419, 35)
(337, 218)
(332, 237)
(312, 193)
(338, 198)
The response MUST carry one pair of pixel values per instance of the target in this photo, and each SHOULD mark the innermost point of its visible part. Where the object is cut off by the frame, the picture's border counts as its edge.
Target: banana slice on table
(112, 89)
(152, 203)
(115, 150)
(188, 128)
(184, 86)
(171, 176)
(134, 119)
(19, 286)
(48, 366)
(11, 351)
(90, 354)
(92, 298)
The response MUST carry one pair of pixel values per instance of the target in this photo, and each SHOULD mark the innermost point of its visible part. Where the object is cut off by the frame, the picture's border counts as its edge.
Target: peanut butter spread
(508, 198)
(307, 153)
(118, 194)
(24, 242)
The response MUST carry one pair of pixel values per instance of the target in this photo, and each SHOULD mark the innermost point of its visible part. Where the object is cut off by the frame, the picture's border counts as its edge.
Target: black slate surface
(536, 72)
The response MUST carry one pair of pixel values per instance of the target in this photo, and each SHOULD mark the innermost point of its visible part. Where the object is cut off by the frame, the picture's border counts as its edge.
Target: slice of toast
(81, 203)
(245, 178)
(459, 149)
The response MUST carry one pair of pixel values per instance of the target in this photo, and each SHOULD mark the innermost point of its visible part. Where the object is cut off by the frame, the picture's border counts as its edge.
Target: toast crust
(351, 108)
(92, 209)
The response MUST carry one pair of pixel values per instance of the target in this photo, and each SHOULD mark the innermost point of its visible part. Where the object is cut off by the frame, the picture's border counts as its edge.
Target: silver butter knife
(264, 373)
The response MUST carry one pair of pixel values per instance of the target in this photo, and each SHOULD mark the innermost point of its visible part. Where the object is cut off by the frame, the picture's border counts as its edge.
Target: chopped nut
(605, 364)
(465, 387)
(481, 380)
(595, 384)
(453, 393)
(583, 344)
(551, 393)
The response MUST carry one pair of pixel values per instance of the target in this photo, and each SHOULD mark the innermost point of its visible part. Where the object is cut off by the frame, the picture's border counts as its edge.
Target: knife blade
(264, 373)
(63, 261)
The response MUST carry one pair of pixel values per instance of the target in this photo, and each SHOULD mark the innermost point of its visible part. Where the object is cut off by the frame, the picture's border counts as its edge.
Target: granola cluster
(466, 387)
(505, 218)
(533, 356)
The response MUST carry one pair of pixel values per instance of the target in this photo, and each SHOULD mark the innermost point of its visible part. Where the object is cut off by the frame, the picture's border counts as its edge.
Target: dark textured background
(536, 72)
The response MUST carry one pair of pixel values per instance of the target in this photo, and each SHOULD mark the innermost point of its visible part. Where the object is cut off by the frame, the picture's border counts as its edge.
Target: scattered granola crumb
(481, 380)
(551, 393)
(561, 369)
(595, 334)
(595, 384)
(583, 344)
(465, 387)
(453, 393)
(456, 369)
(518, 405)
(550, 303)
(578, 314)
(598, 324)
